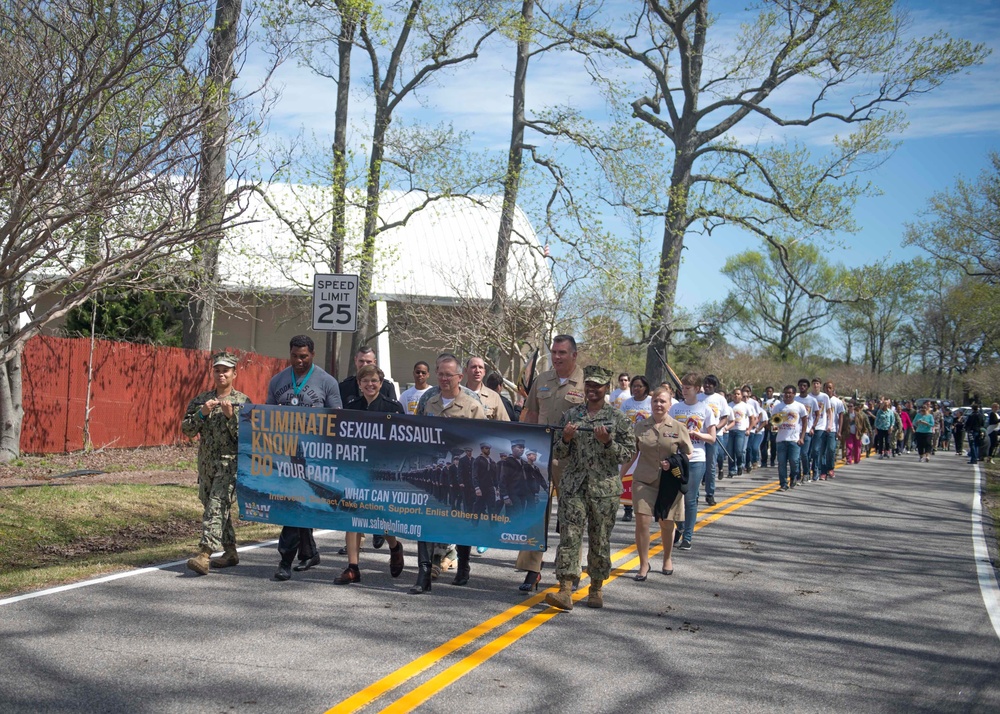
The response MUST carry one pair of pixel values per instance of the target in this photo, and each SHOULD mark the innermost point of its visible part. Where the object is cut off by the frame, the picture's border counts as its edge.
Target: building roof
(438, 249)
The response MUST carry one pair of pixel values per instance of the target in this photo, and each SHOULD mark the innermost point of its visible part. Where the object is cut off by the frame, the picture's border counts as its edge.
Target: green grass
(56, 534)
(991, 496)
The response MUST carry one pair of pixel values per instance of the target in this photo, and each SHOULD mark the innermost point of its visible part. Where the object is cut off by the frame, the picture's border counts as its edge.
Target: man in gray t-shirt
(303, 384)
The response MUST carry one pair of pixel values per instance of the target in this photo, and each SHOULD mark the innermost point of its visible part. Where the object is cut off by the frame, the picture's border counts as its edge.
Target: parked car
(941, 402)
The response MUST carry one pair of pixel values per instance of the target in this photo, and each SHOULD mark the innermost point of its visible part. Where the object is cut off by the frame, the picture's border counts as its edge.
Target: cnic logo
(513, 538)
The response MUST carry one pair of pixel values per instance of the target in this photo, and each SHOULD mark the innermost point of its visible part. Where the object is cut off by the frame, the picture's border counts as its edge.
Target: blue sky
(950, 130)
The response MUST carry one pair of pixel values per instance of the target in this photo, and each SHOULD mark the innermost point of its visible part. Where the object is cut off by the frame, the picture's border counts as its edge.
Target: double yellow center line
(420, 694)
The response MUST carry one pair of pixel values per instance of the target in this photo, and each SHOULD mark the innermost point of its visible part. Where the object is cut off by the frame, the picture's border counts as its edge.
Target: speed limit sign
(335, 303)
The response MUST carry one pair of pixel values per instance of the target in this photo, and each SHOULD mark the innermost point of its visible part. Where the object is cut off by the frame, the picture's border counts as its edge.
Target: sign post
(335, 303)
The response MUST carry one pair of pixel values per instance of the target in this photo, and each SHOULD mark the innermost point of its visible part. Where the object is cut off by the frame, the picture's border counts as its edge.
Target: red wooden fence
(138, 396)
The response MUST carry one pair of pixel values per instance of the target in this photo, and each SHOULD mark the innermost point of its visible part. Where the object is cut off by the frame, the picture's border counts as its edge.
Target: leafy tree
(143, 316)
(773, 308)
(962, 225)
(695, 87)
(893, 295)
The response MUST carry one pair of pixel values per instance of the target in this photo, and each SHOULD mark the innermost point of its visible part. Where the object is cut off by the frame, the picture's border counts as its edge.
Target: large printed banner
(472, 482)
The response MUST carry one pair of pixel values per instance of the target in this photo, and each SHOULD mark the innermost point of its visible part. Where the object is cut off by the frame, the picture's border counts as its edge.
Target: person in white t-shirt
(622, 392)
(817, 453)
(637, 408)
(833, 416)
(700, 422)
(737, 442)
(757, 424)
(717, 403)
(411, 397)
(812, 407)
(767, 443)
(790, 420)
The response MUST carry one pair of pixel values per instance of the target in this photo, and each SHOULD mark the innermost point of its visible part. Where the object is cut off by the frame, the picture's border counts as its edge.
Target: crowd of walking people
(646, 447)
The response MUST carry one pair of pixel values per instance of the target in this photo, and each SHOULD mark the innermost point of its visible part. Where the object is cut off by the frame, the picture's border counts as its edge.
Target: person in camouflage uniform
(596, 438)
(214, 415)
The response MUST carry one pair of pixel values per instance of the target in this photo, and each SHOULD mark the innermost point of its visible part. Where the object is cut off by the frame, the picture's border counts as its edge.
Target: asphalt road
(854, 595)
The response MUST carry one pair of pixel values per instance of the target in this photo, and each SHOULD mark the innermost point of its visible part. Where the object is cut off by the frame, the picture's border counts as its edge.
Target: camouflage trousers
(597, 515)
(217, 492)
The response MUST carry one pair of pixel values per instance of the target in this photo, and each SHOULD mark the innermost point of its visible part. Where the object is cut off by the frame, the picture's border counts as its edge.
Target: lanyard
(296, 388)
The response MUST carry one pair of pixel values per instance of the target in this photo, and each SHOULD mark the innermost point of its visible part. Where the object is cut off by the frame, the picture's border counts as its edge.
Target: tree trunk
(212, 184)
(366, 268)
(675, 226)
(512, 179)
(11, 407)
(338, 233)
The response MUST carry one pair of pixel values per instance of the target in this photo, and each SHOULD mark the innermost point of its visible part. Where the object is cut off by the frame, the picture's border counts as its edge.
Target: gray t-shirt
(319, 390)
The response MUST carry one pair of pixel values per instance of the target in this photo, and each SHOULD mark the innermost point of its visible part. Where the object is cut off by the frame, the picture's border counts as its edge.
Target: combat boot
(228, 558)
(596, 598)
(563, 600)
(200, 562)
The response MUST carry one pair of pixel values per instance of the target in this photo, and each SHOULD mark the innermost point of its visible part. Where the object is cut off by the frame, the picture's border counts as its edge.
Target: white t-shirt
(636, 411)
(618, 396)
(823, 402)
(717, 403)
(741, 415)
(836, 409)
(410, 398)
(756, 411)
(794, 418)
(809, 403)
(697, 417)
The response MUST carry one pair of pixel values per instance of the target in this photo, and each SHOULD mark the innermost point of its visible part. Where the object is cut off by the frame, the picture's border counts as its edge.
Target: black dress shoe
(710, 500)
(306, 564)
(284, 572)
(342, 551)
(378, 541)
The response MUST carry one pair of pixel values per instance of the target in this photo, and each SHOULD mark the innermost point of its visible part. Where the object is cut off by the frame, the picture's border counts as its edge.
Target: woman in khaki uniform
(657, 439)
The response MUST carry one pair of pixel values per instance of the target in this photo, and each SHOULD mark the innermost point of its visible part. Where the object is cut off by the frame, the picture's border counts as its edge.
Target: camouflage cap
(224, 358)
(596, 375)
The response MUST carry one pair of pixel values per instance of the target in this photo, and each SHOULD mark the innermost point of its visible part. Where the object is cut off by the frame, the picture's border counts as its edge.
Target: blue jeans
(804, 452)
(753, 447)
(788, 461)
(830, 458)
(711, 469)
(696, 472)
(816, 455)
(737, 450)
(973, 447)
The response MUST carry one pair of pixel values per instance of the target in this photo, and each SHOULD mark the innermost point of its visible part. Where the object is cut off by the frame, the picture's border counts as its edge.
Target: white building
(433, 250)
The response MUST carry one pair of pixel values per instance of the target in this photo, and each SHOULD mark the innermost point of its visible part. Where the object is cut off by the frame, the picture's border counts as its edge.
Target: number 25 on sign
(335, 303)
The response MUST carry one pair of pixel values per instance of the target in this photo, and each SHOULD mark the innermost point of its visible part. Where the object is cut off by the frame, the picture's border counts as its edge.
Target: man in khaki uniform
(450, 402)
(475, 373)
(552, 393)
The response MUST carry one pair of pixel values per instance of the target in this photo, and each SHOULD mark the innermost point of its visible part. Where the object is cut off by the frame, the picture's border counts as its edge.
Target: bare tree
(71, 75)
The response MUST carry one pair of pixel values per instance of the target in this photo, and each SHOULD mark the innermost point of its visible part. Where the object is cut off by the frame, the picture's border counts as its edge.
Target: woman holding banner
(370, 380)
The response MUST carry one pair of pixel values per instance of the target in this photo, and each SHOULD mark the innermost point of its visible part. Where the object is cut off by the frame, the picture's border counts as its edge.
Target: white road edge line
(987, 578)
(126, 574)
